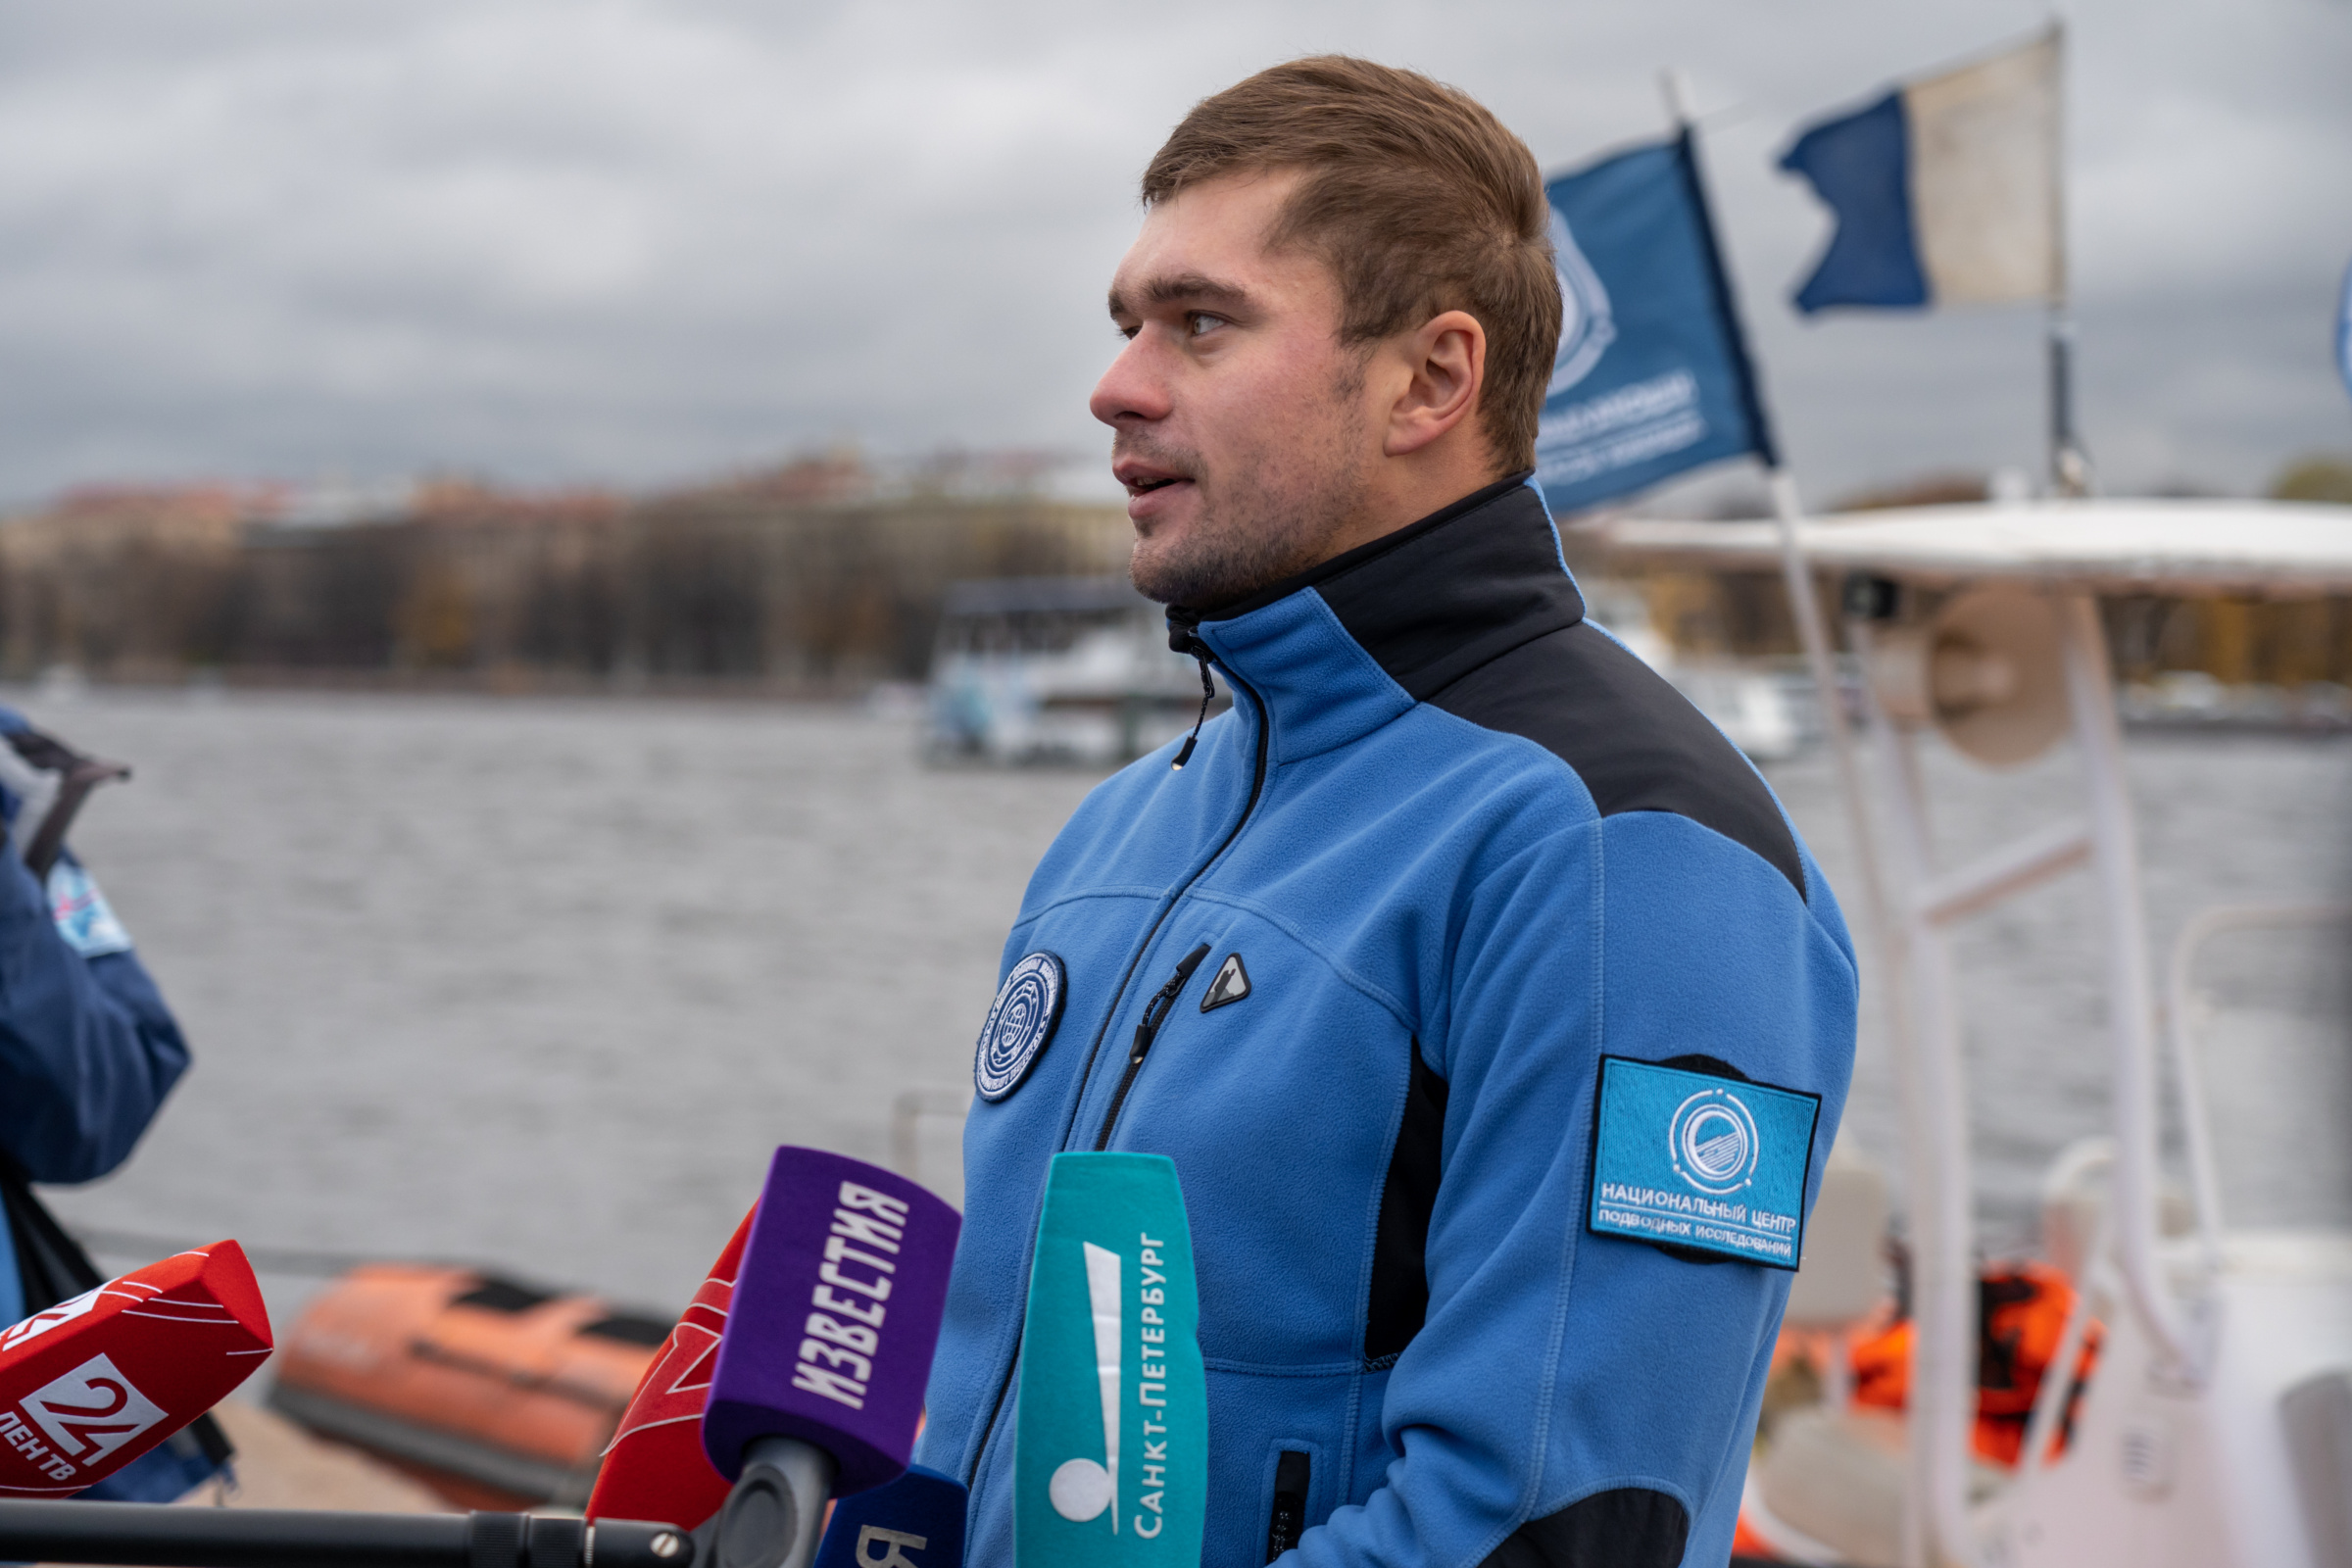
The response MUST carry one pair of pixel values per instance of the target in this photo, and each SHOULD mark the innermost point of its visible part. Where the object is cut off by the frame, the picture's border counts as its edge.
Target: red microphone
(655, 1466)
(91, 1384)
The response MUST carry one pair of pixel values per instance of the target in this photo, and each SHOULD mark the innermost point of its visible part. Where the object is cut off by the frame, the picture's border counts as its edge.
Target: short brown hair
(1417, 198)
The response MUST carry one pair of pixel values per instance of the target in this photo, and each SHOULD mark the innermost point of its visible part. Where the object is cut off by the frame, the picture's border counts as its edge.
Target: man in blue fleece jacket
(1495, 1017)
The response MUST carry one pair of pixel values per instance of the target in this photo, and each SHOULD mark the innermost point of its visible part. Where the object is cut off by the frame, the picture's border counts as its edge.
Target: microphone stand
(776, 1517)
(160, 1536)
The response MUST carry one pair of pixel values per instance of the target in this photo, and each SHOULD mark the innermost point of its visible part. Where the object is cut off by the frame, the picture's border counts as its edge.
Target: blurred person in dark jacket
(88, 1051)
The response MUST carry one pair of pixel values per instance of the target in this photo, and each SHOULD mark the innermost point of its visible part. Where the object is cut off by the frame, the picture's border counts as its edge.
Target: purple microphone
(827, 1348)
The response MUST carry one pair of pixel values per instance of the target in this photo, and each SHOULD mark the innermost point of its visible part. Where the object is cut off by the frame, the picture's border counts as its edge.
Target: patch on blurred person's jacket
(84, 917)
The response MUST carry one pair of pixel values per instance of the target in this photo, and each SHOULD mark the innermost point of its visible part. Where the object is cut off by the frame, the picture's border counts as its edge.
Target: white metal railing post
(1933, 1083)
(1935, 1493)
(2091, 1271)
(2131, 991)
(2188, 1074)
(1944, 1289)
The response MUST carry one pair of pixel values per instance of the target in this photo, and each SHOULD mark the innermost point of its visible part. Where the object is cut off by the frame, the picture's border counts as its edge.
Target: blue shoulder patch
(1695, 1160)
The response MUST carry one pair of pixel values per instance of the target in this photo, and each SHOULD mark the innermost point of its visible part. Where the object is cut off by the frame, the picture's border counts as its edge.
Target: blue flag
(1651, 378)
(1945, 190)
(1860, 167)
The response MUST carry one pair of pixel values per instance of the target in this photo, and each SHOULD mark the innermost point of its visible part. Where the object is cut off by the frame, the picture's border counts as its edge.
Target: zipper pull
(1156, 1012)
(1183, 640)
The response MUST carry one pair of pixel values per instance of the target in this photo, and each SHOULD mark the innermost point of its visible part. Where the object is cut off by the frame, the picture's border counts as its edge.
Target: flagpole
(2070, 466)
(1920, 1534)
(1804, 605)
(2070, 469)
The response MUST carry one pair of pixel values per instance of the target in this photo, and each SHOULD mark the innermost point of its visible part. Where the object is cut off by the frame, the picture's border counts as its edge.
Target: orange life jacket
(2021, 1311)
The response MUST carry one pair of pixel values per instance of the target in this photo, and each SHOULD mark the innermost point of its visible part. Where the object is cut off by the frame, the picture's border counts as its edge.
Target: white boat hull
(2163, 1476)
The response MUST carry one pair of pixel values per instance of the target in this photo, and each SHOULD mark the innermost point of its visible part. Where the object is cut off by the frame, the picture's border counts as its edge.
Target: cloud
(631, 242)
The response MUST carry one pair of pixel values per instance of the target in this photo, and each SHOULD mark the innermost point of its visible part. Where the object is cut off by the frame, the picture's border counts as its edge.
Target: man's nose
(1134, 387)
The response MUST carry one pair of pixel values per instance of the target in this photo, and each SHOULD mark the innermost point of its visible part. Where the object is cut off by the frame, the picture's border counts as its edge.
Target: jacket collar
(1351, 643)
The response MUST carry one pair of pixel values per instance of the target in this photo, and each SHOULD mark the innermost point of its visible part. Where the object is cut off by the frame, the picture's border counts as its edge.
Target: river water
(539, 983)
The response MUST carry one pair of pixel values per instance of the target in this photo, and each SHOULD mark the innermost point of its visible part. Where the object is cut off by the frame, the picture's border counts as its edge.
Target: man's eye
(1199, 321)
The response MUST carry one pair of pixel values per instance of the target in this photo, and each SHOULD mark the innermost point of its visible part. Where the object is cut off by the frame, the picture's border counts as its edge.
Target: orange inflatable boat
(496, 1394)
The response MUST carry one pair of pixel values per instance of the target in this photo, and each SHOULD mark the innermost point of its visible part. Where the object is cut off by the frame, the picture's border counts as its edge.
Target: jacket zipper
(1190, 643)
(1294, 1473)
(1147, 1030)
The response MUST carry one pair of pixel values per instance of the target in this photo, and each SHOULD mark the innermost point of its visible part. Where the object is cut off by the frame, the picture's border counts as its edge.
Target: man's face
(1243, 437)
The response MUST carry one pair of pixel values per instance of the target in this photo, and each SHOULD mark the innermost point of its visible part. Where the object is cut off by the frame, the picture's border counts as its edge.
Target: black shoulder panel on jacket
(1435, 601)
(1631, 1526)
(1400, 1295)
(1636, 743)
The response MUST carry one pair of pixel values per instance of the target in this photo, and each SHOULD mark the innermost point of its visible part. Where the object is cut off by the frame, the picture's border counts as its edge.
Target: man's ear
(1445, 366)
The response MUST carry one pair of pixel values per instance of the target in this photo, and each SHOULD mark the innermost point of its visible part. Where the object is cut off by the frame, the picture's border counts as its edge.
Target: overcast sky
(635, 243)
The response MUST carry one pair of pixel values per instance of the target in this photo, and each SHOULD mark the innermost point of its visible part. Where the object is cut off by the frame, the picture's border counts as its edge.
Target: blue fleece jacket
(1452, 848)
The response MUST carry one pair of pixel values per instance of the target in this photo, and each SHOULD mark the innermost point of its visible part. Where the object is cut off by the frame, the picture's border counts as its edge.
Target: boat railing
(2181, 1011)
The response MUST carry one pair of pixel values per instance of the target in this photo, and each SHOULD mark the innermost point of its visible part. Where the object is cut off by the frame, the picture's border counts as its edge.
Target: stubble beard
(1268, 512)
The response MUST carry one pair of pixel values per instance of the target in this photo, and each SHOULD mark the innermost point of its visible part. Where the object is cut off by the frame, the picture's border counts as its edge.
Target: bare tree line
(797, 580)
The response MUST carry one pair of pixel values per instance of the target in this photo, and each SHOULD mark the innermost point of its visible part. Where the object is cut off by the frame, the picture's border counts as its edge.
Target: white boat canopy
(2268, 549)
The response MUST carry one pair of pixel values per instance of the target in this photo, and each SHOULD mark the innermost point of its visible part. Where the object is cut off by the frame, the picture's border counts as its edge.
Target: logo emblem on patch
(1020, 1021)
(1232, 984)
(1701, 1162)
(1713, 1142)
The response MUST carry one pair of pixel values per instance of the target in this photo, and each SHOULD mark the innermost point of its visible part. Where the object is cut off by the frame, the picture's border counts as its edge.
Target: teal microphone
(1112, 1460)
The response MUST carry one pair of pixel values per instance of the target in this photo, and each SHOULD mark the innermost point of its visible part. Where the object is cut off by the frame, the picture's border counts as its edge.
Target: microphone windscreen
(89, 1384)
(836, 1314)
(1110, 1461)
(914, 1522)
(655, 1467)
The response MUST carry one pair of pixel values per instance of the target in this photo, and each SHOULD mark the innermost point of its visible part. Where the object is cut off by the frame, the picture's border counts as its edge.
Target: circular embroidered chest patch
(1020, 1021)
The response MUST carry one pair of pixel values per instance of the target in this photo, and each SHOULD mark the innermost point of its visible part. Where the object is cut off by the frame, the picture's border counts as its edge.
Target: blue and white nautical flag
(1946, 192)
(1653, 375)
